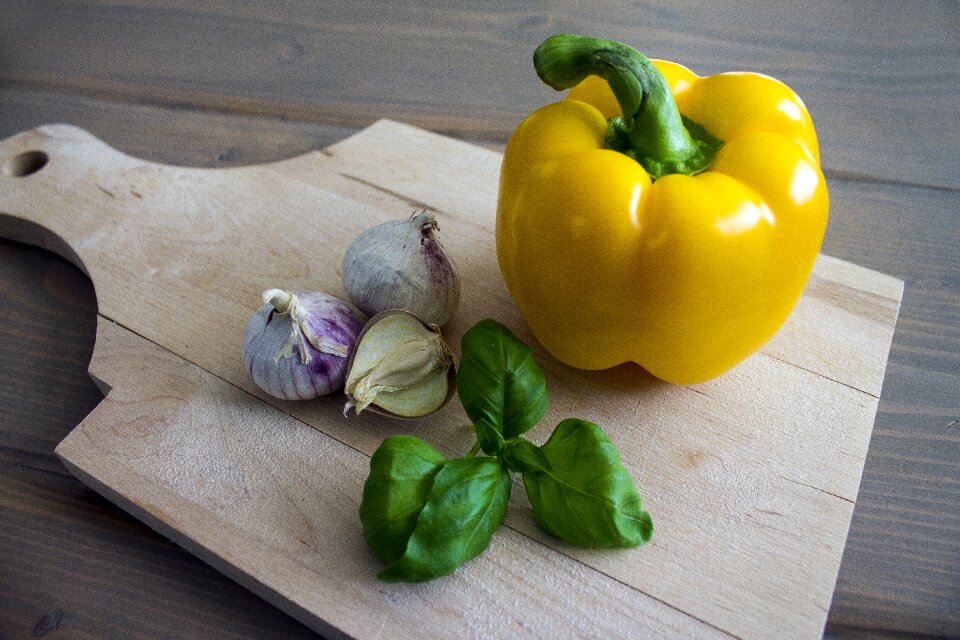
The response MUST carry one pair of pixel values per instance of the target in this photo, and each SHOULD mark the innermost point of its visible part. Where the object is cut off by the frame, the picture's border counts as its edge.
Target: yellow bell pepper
(678, 234)
(655, 216)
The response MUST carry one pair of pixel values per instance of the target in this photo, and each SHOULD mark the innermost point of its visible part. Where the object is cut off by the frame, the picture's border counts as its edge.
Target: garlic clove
(420, 399)
(296, 345)
(401, 264)
(401, 367)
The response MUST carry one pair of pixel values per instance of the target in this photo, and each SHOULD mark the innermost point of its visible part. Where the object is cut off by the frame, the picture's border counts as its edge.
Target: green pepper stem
(651, 131)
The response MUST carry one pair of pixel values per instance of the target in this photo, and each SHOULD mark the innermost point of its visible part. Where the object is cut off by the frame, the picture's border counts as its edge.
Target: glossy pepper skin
(686, 275)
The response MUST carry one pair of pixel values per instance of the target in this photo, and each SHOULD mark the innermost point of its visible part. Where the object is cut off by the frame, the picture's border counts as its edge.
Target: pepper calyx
(652, 130)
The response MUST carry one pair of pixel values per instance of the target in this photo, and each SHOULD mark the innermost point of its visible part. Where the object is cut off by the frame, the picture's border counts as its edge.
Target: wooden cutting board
(751, 478)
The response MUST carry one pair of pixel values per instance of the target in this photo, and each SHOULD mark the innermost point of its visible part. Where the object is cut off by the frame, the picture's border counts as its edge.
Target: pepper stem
(652, 131)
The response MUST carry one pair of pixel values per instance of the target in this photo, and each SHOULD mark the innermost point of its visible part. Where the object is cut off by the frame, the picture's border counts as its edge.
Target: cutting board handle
(39, 173)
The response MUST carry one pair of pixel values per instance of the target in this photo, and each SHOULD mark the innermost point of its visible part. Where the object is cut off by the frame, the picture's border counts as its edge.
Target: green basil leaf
(587, 498)
(490, 439)
(402, 471)
(466, 504)
(523, 456)
(499, 381)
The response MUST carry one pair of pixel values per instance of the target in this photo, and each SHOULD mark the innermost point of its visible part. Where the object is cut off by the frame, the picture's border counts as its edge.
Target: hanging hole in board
(25, 164)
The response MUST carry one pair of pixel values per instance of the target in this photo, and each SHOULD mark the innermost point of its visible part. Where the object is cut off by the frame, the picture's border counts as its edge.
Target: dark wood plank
(198, 138)
(72, 562)
(839, 632)
(216, 83)
(881, 80)
(901, 565)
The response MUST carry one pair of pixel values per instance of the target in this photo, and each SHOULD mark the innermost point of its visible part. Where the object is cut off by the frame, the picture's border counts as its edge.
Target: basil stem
(524, 456)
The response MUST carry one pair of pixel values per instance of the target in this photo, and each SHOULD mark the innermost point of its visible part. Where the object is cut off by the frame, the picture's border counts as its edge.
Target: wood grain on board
(217, 83)
(733, 470)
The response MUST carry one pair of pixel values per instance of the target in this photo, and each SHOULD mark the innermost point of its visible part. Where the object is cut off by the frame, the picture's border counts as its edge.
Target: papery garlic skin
(297, 345)
(401, 366)
(402, 265)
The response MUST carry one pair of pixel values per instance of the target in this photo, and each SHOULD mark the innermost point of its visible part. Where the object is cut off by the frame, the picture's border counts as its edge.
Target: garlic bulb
(401, 367)
(297, 345)
(401, 265)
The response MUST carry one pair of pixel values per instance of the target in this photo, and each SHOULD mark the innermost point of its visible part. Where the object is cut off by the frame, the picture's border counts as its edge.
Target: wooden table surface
(215, 84)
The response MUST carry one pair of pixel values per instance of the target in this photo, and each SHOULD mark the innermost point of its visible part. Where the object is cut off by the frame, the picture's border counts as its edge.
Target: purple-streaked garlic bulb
(401, 265)
(297, 345)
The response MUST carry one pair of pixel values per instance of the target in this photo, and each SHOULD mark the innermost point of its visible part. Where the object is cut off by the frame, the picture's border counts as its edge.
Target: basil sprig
(424, 515)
